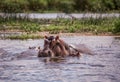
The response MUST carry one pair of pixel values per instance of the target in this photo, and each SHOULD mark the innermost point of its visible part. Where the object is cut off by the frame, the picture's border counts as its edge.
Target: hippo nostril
(49, 53)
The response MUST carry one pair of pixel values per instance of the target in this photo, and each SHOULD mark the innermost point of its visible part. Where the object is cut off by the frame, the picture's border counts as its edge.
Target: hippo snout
(46, 53)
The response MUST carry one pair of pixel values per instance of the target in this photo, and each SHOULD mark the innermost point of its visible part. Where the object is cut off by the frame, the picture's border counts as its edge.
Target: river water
(104, 66)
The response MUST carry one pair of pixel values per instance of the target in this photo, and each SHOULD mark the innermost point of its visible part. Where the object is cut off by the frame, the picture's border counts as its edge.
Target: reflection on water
(102, 67)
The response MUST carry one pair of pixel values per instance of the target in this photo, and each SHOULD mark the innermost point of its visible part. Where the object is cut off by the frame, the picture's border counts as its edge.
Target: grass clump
(54, 26)
(30, 27)
(116, 29)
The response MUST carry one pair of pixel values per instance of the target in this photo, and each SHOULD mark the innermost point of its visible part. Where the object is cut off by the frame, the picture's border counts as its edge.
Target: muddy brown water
(18, 64)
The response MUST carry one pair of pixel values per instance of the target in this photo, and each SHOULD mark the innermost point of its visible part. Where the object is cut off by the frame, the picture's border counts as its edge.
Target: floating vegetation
(24, 36)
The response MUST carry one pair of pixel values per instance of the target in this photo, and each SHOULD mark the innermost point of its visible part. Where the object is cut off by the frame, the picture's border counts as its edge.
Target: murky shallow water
(104, 66)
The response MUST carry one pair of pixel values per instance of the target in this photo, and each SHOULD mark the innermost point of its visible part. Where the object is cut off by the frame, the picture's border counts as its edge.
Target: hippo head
(46, 51)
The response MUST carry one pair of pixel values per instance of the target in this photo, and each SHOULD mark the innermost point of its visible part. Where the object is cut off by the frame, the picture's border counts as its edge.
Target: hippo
(55, 47)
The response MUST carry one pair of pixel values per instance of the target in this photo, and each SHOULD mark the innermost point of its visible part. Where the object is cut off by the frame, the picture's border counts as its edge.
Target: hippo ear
(57, 37)
(46, 37)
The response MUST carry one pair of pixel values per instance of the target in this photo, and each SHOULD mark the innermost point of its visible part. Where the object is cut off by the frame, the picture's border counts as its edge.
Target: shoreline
(40, 35)
(76, 34)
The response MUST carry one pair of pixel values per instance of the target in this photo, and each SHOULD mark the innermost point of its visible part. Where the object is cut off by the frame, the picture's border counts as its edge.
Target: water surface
(104, 66)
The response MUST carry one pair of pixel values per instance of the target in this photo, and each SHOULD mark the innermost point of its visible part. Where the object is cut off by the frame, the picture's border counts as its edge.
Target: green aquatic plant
(54, 26)
(24, 36)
